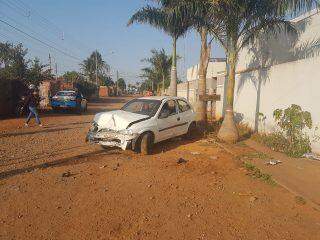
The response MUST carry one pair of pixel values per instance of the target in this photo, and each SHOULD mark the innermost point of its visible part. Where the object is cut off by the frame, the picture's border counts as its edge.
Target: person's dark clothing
(31, 104)
(32, 100)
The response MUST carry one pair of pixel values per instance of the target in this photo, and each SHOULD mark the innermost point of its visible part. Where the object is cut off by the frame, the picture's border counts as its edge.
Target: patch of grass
(300, 200)
(241, 144)
(279, 143)
(245, 131)
(257, 174)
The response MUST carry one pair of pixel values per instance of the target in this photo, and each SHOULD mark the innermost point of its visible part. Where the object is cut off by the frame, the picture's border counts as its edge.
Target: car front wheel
(146, 143)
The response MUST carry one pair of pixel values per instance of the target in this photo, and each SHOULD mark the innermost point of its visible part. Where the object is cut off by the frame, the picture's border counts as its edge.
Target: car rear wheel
(145, 144)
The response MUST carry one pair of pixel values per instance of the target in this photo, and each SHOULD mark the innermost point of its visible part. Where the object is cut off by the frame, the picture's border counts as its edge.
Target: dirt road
(55, 186)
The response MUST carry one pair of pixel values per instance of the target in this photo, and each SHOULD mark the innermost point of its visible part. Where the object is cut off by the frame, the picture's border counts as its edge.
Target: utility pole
(117, 83)
(97, 68)
(50, 63)
(56, 66)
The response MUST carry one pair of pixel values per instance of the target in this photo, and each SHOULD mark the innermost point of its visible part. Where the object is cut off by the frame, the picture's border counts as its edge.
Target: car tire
(145, 144)
(192, 131)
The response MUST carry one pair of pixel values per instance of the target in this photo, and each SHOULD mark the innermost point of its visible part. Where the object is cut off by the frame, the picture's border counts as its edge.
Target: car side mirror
(164, 114)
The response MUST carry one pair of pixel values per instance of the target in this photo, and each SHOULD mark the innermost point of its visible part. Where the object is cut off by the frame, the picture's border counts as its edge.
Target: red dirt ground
(54, 186)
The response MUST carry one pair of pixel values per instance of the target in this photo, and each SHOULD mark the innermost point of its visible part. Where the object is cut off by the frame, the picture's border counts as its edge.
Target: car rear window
(66, 94)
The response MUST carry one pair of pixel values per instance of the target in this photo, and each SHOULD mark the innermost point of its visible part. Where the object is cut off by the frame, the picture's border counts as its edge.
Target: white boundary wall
(291, 80)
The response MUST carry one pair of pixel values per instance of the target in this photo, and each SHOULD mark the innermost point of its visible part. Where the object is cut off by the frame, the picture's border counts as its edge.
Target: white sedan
(142, 122)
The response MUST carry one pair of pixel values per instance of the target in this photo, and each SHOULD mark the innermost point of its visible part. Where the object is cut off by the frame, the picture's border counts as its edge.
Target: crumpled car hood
(116, 120)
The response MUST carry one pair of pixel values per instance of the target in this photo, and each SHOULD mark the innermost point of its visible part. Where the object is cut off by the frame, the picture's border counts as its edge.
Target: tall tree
(121, 84)
(13, 65)
(159, 71)
(72, 76)
(242, 22)
(37, 72)
(172, 24)
(95, 67)
(201, 17)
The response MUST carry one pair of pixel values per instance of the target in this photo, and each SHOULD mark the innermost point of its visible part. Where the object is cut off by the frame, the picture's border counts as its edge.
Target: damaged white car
(142, 122)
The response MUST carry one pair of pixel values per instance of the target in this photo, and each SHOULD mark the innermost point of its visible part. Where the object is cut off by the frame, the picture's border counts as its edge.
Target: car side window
(169, 107)
(183, 106)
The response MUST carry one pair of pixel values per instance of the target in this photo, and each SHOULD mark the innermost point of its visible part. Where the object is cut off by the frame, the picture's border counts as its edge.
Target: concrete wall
(214, 68)
(276, 73)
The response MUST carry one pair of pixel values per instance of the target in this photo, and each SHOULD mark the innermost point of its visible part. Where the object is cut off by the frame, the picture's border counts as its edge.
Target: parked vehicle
(72, 100)
(142, 122)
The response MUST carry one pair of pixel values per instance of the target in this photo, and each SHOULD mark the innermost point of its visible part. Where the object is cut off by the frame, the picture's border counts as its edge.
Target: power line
(21, 12)
(44, 43)
(47, 22)
(34, 32)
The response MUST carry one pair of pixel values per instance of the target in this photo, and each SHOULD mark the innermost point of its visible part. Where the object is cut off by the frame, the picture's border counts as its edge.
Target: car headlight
(94, 127)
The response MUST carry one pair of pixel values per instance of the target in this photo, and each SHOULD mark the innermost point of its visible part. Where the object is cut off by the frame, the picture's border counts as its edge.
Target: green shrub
(290, 139)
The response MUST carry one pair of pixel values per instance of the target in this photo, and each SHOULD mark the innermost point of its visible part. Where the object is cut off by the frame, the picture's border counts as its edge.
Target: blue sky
(78, 27)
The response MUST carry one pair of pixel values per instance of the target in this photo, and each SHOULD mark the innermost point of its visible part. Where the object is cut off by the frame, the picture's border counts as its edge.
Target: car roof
(68, 91)
(160, 98)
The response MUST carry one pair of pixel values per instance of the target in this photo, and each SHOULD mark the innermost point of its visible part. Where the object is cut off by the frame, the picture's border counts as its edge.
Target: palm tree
(200, 15)
(172, 24)
(238, 24)
(160, 67)
(95, 65)
(242, 22)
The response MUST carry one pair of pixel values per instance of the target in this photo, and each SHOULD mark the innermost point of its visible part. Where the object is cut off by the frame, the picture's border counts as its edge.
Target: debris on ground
(245, 194)
(195, 153)
(311, 156)
(213, 157)
(103, 166)
(253, 199)
(181, 161)
(66, 174)
(115, 168)
(273, 162)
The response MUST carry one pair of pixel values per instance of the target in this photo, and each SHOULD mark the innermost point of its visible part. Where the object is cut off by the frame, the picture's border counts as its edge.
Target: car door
(167, 120)
(185, 115)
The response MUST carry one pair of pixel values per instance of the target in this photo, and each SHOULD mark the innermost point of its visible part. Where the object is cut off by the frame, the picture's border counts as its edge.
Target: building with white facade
(189, 89)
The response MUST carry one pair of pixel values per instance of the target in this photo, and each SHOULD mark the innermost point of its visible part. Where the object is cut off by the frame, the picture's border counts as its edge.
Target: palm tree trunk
(228, 131)
(201, 105)
(173, 82)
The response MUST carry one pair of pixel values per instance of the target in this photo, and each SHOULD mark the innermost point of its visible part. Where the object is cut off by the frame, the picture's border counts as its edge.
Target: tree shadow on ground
(173, 143)
(45, 130)
(78, 159)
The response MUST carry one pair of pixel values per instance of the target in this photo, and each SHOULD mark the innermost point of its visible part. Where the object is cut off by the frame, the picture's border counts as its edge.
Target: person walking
(31, 103)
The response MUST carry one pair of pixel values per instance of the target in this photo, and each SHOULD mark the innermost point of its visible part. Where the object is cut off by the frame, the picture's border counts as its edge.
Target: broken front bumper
(111, 138)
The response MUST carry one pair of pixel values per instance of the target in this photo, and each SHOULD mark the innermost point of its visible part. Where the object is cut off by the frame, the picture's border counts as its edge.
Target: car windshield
(142, 106)
(66, 94)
